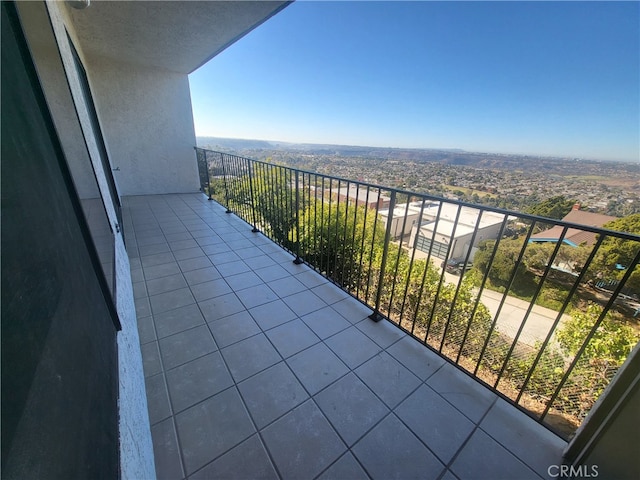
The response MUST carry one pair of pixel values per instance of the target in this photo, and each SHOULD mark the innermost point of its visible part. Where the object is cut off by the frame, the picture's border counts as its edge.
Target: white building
(369, 197)
(452, 239)
(399, 226)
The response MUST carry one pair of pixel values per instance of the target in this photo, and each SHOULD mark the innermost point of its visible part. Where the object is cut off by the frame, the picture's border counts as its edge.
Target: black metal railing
(505, 296)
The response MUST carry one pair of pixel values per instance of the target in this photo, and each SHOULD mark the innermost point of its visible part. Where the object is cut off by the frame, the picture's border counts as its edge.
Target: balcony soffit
(179, 36)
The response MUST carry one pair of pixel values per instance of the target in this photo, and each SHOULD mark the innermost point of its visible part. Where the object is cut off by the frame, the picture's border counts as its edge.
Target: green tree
(275, 202)
(616, 251)
(538, 255)
(266, 197)
(340, 238)
(623, 251)
(611, 344)
(554, 207)
(504, 262)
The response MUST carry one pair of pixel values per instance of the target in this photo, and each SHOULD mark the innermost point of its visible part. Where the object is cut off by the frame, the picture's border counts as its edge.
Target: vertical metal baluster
(291, 176)
(428, 259)
(242, 178)
(442, 277)
(376, 316)
(315, 218)
(336, 264)
(272, 199)
(284, 235)
(319, 252)
(305, 220)
(232, 181)
(267, 201)
(237, 187)
(395, 273)
(286, 213)
(344, 239)
(307, 224)
(238, 194)
(373, 240)
(199, 165)
(242, 189)
(328, 239)
(353, 243)
(206, 166)
(253, 202)
(364, 234)
(287, 210)
(224, 179)
(411, 263)
(297, 260)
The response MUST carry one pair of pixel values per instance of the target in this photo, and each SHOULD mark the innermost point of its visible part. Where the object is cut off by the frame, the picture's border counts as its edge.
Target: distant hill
(238, 145)
(453, 157)
(234, 143)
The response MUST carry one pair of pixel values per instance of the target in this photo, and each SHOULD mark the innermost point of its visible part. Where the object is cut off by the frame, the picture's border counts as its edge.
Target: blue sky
(547, 78)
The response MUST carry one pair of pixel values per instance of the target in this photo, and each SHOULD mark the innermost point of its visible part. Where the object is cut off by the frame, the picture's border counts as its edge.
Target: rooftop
(362, 194)
(575, 236)
(247, 355)
(468, 215)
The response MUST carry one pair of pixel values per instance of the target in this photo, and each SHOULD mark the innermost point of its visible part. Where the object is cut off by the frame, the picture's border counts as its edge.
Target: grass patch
(552, 295)
(469, 191)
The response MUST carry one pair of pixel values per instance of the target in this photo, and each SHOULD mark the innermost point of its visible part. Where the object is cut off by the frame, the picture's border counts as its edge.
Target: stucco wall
(147, 122)
(136, 448)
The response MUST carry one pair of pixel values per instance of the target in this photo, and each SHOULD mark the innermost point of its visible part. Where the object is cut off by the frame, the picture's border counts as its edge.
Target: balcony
(259, 367)
(541, 311)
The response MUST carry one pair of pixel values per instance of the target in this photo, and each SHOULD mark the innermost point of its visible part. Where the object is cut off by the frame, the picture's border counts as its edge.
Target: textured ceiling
(174, 35)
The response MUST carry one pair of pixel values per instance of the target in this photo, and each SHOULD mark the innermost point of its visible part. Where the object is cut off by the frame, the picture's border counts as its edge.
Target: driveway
(537, 325)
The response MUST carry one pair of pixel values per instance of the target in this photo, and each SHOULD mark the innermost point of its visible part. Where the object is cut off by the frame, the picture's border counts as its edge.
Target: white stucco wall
(136, 448)
(147, 122)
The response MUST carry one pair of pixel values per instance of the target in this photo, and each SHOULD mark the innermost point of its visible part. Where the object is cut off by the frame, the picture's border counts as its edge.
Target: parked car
(457, 266)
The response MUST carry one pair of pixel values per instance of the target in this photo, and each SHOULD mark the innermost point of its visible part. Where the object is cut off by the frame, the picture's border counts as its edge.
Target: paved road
(538, 323)
(513, 311)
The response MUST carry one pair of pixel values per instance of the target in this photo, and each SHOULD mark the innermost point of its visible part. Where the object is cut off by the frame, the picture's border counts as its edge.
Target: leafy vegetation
(617, 253)
(612, 342)
(554, 207)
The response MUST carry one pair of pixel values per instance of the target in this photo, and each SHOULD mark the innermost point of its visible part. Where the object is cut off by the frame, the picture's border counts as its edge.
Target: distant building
(399, 226)
(574, 236)
(371, 198)
(453, 239)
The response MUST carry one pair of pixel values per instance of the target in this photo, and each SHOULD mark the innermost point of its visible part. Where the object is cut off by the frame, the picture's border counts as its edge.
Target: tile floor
(259, 368)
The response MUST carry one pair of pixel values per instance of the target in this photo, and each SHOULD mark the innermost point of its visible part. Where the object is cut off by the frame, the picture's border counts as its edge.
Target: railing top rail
(508, 213)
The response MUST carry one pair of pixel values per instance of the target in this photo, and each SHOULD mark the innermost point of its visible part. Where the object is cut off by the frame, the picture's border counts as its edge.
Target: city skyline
(533, 78)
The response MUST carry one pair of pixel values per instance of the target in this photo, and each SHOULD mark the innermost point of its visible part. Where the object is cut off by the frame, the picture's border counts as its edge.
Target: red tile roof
(575, 236)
